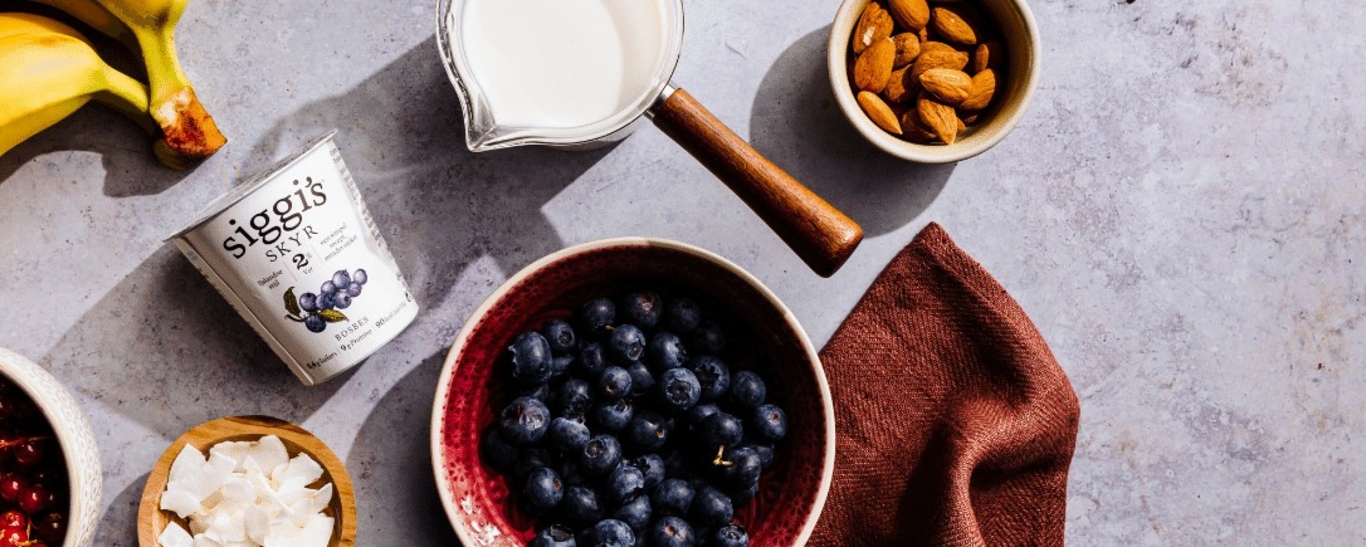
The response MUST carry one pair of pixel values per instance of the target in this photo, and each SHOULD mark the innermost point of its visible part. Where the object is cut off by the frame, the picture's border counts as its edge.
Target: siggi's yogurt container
(297, 255)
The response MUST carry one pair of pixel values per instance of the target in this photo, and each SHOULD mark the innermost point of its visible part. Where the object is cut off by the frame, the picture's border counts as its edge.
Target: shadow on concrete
(796, 122)
(391, 465)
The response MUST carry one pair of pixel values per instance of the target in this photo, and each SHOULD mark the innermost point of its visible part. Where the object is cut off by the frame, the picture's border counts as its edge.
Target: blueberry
(591, 361)
(708, 337)
(672, 532)
(574, 397)
(600, 455)
(681, 315)
(559, 366)
(315, 323)
(342, 300)
(747, 390)
(721, 429)
(567, 434)
(531, 358)
(713, 374)
(554, 535)
(570, 473)
(679, 389)
(499, 453)
(581, 505)
(672, 497)
(354, 289)
(743, 497)
(531, 460)
(359, 277)
(635, 512)
(625, 482)
(614, 415)
(730, 535)
(560, 335)
(743, 469)
(769, 423)
(328, 287)
(665, 351)
(524, 421)
(327, 300)
(308, 302)
(649, 430)
(641, 308)
(612, 533)
(765, 453)
(652, 466)
(699, 413)
(710, 507)
(597, 315)
(341, 278)
(614, 383)
(626, 344)
(544, 488)
(539, 392)
(641, 379)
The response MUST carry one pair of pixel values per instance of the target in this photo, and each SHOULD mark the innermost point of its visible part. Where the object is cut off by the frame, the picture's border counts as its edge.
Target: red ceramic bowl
(771, 341)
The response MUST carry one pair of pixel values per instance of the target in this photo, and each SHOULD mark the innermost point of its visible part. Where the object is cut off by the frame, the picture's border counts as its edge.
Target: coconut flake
(231, 501)
(175, 536)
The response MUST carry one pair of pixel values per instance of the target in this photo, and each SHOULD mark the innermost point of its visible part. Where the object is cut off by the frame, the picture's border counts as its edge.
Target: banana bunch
(48, 70)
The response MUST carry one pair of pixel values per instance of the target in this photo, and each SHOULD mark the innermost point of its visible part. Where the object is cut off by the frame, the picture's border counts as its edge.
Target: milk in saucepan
(564, 63)
(297, 254)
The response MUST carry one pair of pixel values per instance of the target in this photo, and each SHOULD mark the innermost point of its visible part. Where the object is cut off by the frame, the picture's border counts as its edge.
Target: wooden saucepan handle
(819, 233)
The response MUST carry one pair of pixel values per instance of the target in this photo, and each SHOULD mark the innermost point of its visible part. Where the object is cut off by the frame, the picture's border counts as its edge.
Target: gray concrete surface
(1181, 212)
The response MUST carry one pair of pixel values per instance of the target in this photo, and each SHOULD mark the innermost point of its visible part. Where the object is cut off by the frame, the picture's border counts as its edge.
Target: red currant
(29, 453)
(13, 537)
(50, 527)
(35, 499)
(13, 519)
(12, 486)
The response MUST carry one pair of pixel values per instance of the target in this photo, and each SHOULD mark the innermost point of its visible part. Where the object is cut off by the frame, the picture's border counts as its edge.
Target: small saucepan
(579, 73)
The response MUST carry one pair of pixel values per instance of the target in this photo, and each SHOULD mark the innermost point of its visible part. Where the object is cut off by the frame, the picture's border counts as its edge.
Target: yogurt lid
(245, 189)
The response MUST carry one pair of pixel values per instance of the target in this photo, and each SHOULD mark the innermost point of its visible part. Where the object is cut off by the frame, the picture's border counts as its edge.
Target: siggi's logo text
(277, 230)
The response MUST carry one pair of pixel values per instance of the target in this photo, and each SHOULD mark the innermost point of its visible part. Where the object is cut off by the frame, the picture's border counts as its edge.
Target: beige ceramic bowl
(75, 437)
(1021, 38)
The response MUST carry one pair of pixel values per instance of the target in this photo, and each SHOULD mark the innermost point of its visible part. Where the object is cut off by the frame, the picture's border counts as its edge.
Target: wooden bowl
(1021, 38)
(152, 520)
(792, 492)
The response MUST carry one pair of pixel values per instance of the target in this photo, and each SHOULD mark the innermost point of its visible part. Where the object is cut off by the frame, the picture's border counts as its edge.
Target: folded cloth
(955, 424)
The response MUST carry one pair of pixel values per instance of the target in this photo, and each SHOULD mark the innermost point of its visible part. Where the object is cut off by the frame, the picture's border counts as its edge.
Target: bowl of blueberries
(633, 392)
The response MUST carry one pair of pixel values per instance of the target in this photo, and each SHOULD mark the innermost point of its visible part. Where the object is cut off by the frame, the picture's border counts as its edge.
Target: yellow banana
(90, 13)
(190, 133)
(48, 70)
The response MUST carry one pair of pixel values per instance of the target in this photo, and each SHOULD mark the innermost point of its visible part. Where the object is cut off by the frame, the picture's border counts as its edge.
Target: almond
(914, 130)
(912, 15)
(901, 88)
(939, 117)
(962, 126)
(924, 35)
(879, 112)
(987, 55)
(970, 118)
(936, 46)
(875, 24)
(874, 66)
(981, 91)
(907, 49)
(948, 85)
(952, 27)
(955, 60)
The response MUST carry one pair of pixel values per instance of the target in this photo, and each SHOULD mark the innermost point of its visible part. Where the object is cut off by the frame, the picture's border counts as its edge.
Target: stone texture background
(1181, 212)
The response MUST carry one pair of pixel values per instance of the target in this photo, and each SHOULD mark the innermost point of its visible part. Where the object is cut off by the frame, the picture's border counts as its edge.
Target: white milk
(564, 63)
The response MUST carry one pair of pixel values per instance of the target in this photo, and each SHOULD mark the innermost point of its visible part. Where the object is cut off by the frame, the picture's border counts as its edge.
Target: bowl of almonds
(934, 81)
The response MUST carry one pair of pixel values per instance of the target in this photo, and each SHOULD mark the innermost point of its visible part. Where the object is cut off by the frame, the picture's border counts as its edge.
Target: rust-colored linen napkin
(955, 424)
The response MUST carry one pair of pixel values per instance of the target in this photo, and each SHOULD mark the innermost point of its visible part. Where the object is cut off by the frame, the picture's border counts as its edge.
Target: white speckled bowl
(74, 435)
(1021, 38)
